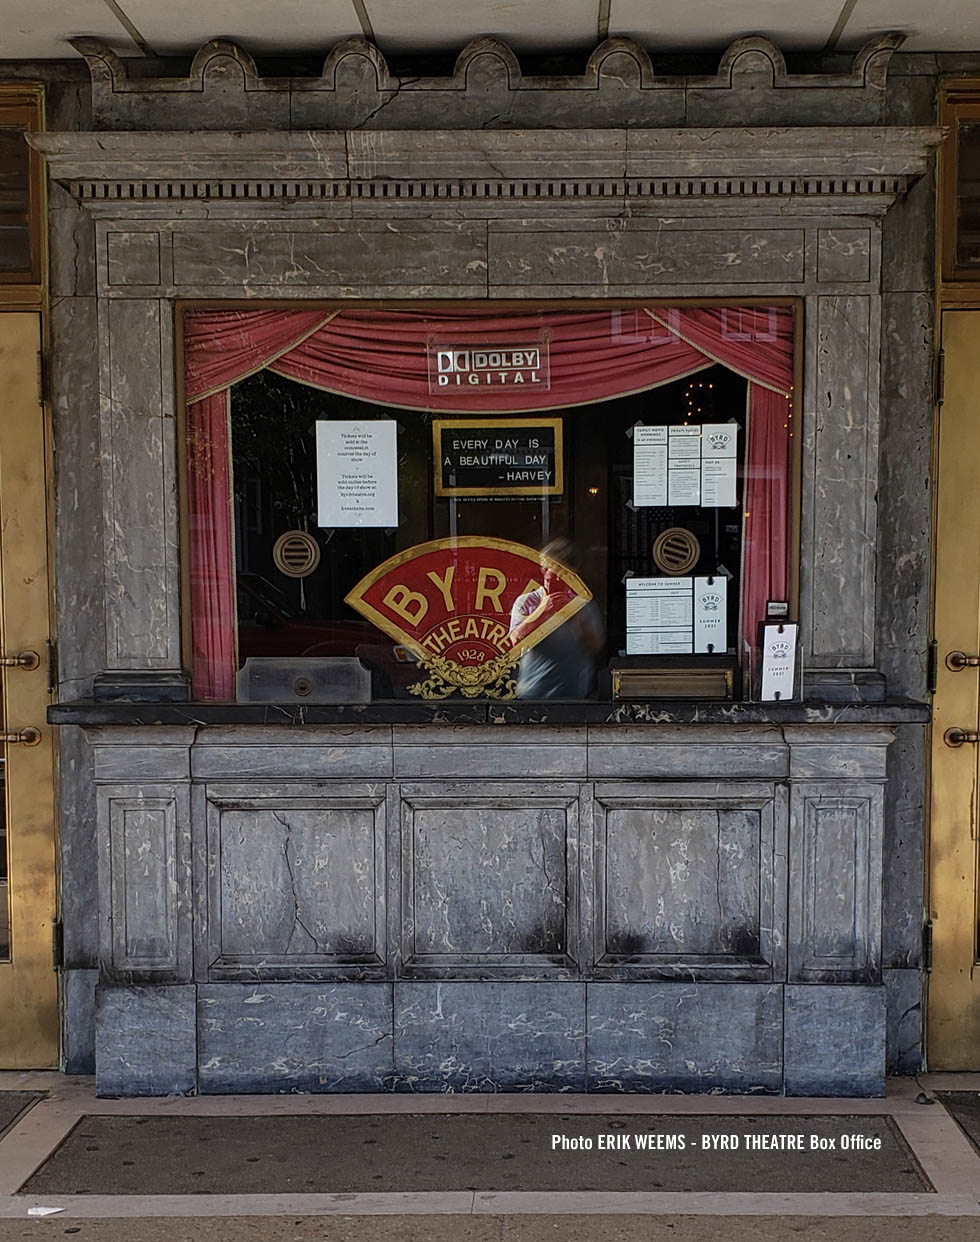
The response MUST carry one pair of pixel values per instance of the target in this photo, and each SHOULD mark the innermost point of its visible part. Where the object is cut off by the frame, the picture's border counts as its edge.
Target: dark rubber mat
(524, 1151)
(13, 1103)
(964, 1107)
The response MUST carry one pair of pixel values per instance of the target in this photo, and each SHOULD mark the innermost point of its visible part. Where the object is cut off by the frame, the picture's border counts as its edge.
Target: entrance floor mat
(338, 1154)
(13, 1103)
(964, 1107)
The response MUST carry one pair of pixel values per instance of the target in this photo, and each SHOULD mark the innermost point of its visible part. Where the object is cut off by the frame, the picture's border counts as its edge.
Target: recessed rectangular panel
(297, 884)
(682, 880)
(490, 880)
(490, 884)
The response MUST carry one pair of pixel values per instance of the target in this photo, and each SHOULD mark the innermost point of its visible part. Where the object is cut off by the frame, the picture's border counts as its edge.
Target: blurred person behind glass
(563, 664)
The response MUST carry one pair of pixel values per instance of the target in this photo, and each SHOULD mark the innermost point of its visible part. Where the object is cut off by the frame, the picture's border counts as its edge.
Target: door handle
(957, 660)
(29, 736)
(28, 660)
(956, 737)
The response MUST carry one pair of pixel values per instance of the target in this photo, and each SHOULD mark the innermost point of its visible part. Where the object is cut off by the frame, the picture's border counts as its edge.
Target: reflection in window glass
(15, 242)
(504, 504)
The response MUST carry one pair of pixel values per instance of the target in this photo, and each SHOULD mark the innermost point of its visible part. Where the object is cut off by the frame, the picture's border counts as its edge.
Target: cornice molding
(619, 85)
(478, 167)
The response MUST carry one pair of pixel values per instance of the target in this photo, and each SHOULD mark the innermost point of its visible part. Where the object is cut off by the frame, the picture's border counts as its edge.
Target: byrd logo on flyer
(451, 603)
(497, 366)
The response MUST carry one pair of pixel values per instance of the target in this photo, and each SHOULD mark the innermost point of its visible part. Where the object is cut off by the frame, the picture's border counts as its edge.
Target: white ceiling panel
(180, 26)
(446, 25)
(702, 24)
(940, 26)
(37, 30)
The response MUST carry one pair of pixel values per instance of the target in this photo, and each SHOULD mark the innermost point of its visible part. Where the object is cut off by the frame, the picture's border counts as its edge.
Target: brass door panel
(954, 984)
(28, 983)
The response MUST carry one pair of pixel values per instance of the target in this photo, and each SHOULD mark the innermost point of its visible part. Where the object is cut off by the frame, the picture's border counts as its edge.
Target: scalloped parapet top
(619, 88)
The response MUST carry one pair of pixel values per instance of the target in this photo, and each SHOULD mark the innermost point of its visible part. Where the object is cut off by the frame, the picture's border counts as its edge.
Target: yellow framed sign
(497, 457)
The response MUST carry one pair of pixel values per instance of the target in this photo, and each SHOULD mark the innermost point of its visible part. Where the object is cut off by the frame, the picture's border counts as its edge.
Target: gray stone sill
(892, 711)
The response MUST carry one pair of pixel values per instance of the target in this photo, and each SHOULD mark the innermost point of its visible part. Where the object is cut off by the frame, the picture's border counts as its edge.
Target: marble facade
(683, 897)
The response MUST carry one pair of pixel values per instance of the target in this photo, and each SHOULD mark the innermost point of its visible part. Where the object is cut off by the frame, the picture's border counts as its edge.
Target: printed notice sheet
(711, 614)
(684, 466)
(357, 473)
(693, 465)
(649, 466)
(719, 442)
(778, 661)
(659, 616)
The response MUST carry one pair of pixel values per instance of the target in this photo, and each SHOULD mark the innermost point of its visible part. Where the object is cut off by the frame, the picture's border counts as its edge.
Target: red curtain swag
(382, 356)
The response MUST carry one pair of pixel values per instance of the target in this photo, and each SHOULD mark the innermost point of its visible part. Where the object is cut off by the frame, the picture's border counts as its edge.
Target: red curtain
(382, 356)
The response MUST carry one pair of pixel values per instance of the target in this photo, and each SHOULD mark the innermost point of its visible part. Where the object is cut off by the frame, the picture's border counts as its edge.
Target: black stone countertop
(675, 711)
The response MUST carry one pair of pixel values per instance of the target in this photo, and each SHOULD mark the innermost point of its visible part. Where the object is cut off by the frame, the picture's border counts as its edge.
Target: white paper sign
(658, 616)
(649, 466)
(684, 466)
(778, 661)
(357, 473)
(719, 442)
(711, 614)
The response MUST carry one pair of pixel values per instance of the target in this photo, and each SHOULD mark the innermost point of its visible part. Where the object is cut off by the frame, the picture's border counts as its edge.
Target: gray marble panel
(905, 1011)
(533, 762)
(79, 852)
(840, 760)
(464, 1036)
(145, 880)
(316, 1037)
(78, 501)
(840, 481)
(844, 255)
(132, 257)
(146, 1041)
(905, 492)
(834, 1040)
(454, 919)
(287, 761)
(685, 884)
(71, 247)
(114, 764)
(685, 1037)
(903, 846)
(295, 883)
(686, 759)
(835, 882)
(78, 1020)
(139, 480)
(908, 253)
(336, 253)
(646, 252)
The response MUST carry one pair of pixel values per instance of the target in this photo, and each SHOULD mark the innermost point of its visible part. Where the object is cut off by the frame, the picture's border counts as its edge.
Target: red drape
(382, 356)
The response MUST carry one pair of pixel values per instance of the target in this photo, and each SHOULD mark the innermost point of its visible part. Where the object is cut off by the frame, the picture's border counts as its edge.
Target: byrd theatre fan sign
(450, 603)
(488, 457)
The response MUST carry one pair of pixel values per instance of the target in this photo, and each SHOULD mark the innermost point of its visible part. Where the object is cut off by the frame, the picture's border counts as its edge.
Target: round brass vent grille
(676, 550)
(296, 553)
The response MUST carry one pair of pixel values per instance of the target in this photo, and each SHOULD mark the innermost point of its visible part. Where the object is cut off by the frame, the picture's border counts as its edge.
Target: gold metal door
(28, 984)
(954, 984)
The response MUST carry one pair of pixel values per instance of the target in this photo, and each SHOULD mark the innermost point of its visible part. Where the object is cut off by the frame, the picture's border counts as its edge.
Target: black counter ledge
(893, 711)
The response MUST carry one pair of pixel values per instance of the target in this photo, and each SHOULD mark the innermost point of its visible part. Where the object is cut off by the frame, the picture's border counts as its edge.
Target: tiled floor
(940, 1147)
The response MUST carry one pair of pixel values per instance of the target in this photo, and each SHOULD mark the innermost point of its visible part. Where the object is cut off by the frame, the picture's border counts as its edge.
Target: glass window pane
(968, 196)
(406, 521)
(15, 241)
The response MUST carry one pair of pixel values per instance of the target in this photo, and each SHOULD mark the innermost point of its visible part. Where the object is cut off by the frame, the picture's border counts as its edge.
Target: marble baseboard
(834, 1043)
(78, 1020)
(685, 1037)
(315, 1037)
(467, 1036)
(145, 1041)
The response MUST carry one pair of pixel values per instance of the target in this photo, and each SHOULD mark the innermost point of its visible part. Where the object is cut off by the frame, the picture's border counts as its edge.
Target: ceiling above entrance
(405, 27)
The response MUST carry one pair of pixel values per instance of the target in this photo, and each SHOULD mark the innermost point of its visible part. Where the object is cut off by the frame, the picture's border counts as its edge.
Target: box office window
(418, 504)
